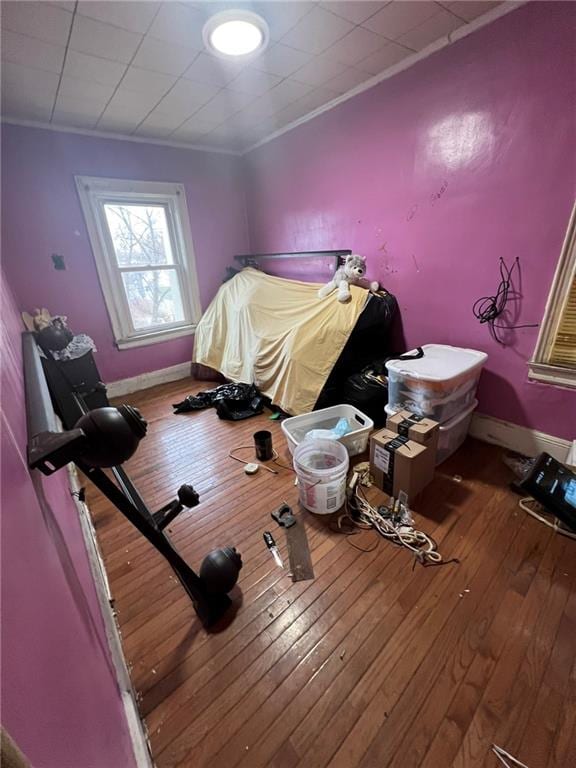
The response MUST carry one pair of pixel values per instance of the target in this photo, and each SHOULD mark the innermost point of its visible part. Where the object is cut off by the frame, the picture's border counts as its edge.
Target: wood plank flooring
(375, 663)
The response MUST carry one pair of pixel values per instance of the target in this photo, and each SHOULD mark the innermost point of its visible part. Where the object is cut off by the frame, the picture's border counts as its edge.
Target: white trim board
(136, 727)
(530, 442)
(150, 379)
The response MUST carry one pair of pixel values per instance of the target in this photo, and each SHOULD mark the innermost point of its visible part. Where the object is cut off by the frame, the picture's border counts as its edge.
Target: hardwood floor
(375, 662)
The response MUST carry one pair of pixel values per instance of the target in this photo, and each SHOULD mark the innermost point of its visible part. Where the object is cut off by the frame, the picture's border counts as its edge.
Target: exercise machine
(104, 438)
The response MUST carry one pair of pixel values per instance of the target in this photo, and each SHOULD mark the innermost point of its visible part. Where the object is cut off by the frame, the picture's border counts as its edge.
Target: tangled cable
(394, 523)
(488, 309)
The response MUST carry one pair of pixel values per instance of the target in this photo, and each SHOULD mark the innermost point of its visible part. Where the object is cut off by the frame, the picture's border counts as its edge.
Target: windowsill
(155, 337)
(552, 374)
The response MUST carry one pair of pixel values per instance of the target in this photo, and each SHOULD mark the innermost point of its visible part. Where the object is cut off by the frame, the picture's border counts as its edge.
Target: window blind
(563, 352)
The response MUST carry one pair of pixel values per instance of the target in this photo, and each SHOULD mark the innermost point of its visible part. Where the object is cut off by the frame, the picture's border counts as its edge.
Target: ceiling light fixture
(235, 34)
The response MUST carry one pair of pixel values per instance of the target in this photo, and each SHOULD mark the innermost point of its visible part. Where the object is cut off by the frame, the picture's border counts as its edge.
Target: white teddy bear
(350, 273)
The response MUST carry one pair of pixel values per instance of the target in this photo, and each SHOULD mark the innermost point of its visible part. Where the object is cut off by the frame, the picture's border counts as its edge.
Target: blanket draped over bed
(277, 334)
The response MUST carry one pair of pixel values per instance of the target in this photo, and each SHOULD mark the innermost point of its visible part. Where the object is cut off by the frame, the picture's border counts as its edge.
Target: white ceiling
(140, 68)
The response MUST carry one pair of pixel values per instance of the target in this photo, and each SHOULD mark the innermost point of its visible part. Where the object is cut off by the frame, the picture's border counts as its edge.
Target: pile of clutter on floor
(431, 395)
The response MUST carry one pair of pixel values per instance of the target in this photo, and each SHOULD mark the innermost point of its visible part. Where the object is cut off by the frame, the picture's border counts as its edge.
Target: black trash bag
(378, 367)
(368, 390)
(232, 401)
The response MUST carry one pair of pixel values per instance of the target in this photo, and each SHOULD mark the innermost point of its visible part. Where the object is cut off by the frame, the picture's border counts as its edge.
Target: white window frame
(539, 367)
(94, 193)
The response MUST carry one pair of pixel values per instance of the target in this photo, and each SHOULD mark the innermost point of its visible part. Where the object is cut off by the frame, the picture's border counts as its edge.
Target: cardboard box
(418, 428)
(399, 464)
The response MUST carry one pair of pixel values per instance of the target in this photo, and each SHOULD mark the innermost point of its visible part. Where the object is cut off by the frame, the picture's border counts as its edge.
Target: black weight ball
(113, 435)
(219, 570)
(188, 496)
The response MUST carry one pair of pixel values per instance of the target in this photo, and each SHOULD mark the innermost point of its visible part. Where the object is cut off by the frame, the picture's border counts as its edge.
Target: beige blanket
(277, 334)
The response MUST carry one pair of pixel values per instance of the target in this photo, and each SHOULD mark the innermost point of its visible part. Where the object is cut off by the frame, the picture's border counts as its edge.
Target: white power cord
(394, 525)
(402, 533)
(506, 758)
(275, 460)
(553, 523)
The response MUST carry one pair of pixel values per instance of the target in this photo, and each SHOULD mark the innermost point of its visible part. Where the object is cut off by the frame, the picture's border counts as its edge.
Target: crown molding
(117, 136)
(443, 42)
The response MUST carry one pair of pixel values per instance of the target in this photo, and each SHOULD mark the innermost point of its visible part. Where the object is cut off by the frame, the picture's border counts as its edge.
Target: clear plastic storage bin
(356, 441)
(440, 385)
(453, 433)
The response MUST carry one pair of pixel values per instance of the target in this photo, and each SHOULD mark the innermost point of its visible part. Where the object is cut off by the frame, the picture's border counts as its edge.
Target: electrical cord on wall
(488, 309)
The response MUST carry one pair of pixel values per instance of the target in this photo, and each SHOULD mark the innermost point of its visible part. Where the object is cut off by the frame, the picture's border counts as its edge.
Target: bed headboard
(299, 264)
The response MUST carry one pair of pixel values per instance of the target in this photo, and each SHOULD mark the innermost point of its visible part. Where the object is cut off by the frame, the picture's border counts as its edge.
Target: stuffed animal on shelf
(350, 273)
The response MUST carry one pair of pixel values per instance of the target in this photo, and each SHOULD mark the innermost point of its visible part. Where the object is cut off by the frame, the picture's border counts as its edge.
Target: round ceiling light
(235, 34)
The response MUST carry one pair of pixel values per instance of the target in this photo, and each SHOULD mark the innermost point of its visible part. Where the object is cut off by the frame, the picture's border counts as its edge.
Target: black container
(263, 445)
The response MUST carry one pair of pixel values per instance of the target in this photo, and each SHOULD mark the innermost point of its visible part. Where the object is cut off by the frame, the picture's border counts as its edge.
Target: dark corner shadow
(181, 650)
(237, 598)
(70, 574)
(441, 498)
(177, 673)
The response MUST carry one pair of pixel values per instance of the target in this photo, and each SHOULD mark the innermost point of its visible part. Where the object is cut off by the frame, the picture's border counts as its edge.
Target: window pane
(153, 297)
(139, 234)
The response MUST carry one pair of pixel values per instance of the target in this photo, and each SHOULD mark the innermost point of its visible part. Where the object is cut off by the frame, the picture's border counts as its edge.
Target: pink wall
(59, 698)
(433, 175)
(41, 215)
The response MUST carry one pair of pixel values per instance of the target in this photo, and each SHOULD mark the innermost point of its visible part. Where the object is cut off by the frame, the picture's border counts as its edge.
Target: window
(554, 358)
(140, 236)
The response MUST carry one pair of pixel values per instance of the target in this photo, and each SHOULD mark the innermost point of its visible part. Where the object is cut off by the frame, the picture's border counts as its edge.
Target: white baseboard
(530, 442)
(151, 379)
(136, 727)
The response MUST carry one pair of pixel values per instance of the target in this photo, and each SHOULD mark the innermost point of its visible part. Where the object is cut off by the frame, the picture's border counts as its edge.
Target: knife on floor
(274, 551)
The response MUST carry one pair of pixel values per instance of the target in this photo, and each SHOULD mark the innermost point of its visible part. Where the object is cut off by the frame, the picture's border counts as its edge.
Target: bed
(266, 326)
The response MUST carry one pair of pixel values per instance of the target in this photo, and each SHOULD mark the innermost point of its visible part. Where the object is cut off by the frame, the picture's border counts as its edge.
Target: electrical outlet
(58, 261)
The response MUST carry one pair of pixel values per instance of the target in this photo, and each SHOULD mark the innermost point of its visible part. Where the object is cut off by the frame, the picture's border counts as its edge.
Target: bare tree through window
(143, 250)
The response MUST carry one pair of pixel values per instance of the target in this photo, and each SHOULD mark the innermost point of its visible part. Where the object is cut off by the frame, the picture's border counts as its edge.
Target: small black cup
(263, 445)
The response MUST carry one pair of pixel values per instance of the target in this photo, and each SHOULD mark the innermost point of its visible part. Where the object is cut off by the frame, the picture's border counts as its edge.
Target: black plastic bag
(232, 401)
(368, 390)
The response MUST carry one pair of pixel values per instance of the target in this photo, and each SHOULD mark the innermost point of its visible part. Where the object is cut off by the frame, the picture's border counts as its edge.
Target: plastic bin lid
(440, 363)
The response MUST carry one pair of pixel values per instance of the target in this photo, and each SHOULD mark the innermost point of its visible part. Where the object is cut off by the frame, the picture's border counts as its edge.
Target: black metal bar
(49, 449)
(130, 491)
(164, 516)
(208, 607)
(248, 258)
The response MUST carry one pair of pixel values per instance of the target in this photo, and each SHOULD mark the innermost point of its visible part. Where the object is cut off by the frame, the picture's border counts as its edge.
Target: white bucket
(321, 467)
